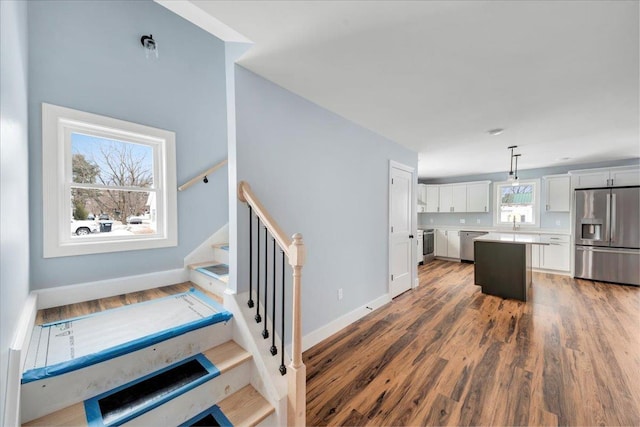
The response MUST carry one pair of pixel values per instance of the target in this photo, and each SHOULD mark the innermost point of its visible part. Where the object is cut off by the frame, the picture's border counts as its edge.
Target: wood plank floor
(445, 354)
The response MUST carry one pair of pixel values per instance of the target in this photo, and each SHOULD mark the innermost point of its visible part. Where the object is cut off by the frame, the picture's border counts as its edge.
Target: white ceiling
(560, 76)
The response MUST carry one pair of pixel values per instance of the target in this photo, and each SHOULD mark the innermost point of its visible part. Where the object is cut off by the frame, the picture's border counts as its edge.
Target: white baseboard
(342, 322)
(54, 297)
(17, 356)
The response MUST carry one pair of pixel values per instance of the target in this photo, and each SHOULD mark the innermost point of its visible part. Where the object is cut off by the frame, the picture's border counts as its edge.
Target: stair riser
(209, 283)
(193, 402)
(221, 255)
(42, 397)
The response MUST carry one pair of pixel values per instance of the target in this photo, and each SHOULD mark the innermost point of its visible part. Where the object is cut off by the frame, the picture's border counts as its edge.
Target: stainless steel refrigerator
(607, 235)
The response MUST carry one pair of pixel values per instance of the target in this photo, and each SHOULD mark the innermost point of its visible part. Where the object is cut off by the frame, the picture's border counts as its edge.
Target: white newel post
(297, 371)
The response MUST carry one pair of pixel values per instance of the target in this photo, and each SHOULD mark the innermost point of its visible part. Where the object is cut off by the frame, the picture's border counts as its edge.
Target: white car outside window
(84, 227)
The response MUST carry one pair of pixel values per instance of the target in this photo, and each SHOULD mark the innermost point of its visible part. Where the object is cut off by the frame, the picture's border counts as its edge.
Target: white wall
(14, 177)
(325, 177)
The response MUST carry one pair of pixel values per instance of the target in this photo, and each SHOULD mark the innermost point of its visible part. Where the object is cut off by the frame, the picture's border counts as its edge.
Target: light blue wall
(87, 55)
(322, 176)
(14, 178)
(548, 220)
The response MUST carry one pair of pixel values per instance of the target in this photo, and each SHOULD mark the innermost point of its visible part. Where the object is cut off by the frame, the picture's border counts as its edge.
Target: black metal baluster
(273, 348)
(283, 369)
(258, 318)
(250, 302)
(265, 332)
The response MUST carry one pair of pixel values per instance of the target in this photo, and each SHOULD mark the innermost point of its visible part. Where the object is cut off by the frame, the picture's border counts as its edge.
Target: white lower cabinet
(554, 256)
(448, 243)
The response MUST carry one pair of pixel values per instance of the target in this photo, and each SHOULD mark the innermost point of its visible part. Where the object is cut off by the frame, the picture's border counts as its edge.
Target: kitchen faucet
(515, 227)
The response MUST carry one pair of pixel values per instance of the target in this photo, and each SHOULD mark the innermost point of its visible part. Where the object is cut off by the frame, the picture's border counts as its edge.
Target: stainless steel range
(428, 246)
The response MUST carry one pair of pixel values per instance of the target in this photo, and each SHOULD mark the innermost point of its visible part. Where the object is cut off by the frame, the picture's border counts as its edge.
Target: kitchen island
(503, 263)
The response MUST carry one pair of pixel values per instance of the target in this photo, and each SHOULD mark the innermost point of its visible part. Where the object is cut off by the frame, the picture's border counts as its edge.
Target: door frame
(414, 219)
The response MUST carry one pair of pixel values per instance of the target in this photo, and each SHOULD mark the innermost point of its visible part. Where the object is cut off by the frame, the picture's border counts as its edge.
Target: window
(517, 203)
(108, 185)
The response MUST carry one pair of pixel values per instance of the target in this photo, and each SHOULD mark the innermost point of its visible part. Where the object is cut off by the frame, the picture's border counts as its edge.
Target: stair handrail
(202, 176)
(295, 251)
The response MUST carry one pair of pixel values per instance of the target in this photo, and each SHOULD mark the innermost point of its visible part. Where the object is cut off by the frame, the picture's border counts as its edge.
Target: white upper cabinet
(432, 198)
(558, 193)
(422, 198)
(478, 197)
(611, 177)
(457, 198)
(622, 177)
(453, 198)
(446, 198)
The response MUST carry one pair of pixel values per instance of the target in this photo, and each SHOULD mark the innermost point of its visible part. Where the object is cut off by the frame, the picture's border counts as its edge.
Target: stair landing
(55, 314)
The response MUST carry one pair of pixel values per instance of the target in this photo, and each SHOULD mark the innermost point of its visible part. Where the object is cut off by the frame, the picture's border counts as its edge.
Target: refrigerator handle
(608, 220)
(613, 217)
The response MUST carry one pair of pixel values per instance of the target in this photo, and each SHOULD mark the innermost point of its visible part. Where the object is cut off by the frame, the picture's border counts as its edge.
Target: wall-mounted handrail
(295, 251)
(202, 176)
(246, 195)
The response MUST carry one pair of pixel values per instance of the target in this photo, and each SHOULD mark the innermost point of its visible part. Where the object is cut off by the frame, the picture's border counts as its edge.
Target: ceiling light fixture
(150, 45)
(496, 131)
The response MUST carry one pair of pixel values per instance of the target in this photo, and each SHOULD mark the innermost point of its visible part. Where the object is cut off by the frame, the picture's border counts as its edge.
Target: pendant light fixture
(511, 174)
(515, 175)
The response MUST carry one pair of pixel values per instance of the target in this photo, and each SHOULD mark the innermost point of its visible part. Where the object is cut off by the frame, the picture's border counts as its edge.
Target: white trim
(17, 357)
(57, 125)
(72, 294)
(202, 19)
(336, 325)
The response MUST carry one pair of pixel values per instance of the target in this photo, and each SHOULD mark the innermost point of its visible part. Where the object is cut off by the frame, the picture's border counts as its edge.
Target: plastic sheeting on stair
(72, 344)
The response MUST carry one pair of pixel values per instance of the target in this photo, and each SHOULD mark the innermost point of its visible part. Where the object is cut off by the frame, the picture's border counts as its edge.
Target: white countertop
(506, 230)
(520, 238)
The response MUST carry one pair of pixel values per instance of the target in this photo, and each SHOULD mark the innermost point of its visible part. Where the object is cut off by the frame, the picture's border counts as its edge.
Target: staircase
(227, 373)
(197, 378)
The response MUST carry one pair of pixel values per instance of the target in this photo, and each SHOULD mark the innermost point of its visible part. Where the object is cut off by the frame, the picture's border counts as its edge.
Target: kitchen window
(517, 204)
(108, 185)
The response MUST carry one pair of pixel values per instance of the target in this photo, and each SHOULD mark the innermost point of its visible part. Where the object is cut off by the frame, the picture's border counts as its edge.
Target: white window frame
(57, 125)
(536, 203)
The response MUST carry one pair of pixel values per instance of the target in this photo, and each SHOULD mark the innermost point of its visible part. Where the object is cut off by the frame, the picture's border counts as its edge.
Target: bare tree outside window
(121, 172)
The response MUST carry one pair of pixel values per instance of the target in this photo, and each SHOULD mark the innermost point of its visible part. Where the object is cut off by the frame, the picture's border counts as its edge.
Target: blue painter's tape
(92, 407)
(215, 412)
(219, 416)
(131, 346)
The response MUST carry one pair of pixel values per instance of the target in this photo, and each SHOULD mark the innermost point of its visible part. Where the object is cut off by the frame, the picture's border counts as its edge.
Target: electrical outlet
(339, 294)
(462, 221)
(430, 220)
(478, 221)
(558, 222)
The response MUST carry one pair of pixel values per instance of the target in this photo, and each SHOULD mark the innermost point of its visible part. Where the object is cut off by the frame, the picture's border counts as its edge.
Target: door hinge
(391, 180)
(392, 228)
(392, 277)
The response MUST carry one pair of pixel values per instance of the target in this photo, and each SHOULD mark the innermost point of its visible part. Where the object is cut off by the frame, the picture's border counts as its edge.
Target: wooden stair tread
(227, 356)
(197, 265)
(246, 407)
(73, 415)
(223, 246)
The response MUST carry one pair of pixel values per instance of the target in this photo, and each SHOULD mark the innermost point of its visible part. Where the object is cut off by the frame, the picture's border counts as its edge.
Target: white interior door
(400, 238)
